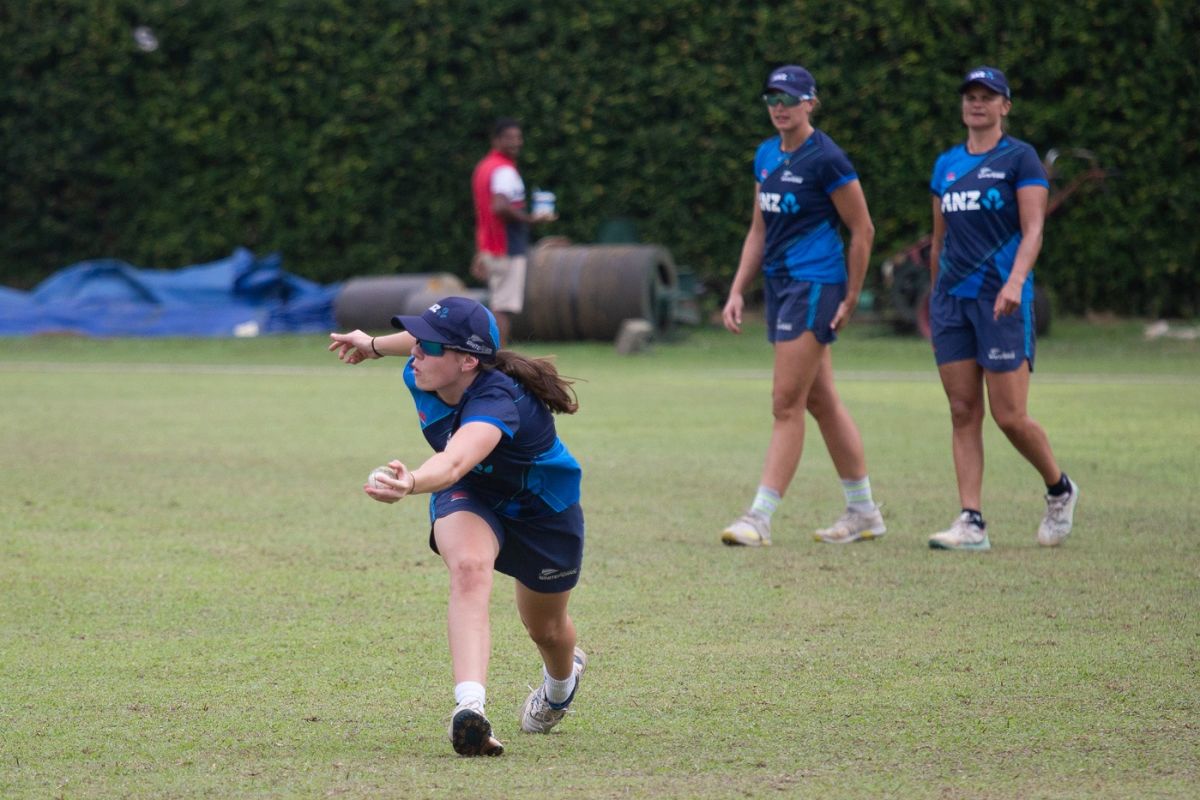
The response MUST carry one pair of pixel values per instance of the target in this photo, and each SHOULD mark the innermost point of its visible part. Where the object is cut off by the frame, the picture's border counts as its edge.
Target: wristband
(413, 489)
(373, 350)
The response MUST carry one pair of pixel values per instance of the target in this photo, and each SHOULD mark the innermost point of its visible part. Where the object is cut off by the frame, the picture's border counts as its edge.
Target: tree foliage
(343, 134)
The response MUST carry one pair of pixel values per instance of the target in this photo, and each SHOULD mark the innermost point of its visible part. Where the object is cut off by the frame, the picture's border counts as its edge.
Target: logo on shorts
(783, 326)
(551, 574)
(456, 497)
(996, 354)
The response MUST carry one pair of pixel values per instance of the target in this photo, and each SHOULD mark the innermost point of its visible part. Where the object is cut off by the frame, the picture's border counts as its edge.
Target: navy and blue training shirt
(978, 194)
(802, 239)
(530, 473)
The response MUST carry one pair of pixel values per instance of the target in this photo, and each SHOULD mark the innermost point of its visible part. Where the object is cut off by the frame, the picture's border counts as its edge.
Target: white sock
(558, 691)
(858, 495)
(765, 502)
(469, 690)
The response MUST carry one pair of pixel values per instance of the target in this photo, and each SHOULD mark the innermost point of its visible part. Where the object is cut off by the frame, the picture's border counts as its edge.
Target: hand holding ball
(374, 483)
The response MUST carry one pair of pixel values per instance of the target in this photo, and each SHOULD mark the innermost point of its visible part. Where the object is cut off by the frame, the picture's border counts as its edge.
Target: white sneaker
(750, 530)
(539, 714)
(854, 526)
(471, 733)
(962, 535)
(1060, 514)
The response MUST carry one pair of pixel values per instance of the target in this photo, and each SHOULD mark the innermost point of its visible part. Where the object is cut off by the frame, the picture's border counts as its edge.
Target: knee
(965, 413)
(470, 575)
(549, 633)
(1008, 421)
(786, 407)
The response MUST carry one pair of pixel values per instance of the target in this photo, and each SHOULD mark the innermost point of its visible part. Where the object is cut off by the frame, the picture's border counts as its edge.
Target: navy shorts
(544, 554)
(963, 329)
(794, 307)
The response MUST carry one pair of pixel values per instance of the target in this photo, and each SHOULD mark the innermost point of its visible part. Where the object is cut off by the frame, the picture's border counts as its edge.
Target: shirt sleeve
(507, 181)
(495, 407)
(836, 170)
(1030, 171)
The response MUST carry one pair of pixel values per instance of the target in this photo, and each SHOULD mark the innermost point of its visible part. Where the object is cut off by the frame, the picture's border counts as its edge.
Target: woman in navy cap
(989, 206)
(805, 187)
(504, 495)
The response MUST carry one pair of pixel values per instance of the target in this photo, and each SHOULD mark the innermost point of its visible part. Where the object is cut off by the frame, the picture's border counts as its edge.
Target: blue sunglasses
(436, 349)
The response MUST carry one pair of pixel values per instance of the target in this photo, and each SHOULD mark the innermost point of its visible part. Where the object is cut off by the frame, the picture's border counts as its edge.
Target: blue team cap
(989, 77)
(457, 322)
(794, 80)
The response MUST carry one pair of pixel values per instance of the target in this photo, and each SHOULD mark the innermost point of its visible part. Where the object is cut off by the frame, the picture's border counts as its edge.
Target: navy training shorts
(963, 329)
(545, 554)
(794, 307)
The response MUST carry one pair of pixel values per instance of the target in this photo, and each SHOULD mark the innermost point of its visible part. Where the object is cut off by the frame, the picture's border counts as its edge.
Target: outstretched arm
(357, 346)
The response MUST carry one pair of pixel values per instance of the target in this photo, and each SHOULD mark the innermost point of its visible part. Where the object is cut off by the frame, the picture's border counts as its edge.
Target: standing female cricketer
(989, 206)
(805, 188)
(504, 495)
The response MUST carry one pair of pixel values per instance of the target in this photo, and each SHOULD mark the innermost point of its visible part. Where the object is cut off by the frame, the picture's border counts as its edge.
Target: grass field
(196, 599)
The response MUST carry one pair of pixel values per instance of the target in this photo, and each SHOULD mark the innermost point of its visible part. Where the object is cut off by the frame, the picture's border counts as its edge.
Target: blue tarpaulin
(237, 296)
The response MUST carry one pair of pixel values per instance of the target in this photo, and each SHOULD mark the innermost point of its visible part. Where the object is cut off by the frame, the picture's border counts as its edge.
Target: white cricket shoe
(471, 733)
(1060, 515)
(962, 535)
(854, 526)
(539, 714)
(749, 530)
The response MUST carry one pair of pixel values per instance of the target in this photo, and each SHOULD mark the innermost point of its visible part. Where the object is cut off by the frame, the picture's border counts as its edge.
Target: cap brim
(991, 87)
(787, 88)
(419, 328)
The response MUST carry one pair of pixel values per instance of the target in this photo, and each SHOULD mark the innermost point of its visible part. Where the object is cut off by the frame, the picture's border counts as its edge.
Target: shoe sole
(982, 547)
(471, 735)
(861, 536)
(731, 540)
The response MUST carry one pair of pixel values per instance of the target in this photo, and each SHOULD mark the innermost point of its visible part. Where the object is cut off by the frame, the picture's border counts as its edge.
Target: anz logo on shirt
(972, 200)
(776, 203)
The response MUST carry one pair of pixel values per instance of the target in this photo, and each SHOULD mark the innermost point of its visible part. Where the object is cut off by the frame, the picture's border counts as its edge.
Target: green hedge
(343, 134)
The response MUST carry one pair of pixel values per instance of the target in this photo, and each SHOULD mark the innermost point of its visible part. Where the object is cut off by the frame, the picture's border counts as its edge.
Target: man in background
(502, 224)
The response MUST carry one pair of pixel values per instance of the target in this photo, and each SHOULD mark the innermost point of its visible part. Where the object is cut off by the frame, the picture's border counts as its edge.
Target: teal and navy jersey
(802, 238)
(983, 225)
(530, 473)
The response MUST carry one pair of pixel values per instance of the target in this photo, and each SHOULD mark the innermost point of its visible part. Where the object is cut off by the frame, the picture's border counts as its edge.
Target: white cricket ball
(375, 484)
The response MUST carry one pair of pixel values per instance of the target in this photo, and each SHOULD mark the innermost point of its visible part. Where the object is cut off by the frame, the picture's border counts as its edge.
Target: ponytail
(539, 376)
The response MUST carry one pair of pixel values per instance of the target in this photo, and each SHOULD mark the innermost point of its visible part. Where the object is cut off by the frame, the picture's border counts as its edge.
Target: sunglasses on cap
(780, 99)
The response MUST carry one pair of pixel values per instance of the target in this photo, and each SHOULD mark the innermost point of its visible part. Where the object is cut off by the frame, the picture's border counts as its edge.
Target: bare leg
(503, 325)
(841, 435)
(963, 383)
(550, 627)
(469, 549)
(1008, 395)
(796, 365)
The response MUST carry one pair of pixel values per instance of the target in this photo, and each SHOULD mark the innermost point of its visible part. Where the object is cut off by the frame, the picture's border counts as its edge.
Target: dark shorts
(544, 554)
(963, 329)
(794, 307)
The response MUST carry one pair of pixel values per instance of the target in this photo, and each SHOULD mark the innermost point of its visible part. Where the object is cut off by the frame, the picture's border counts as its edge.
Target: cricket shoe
(1060, 516)
(471, 733)
(962, 535)
(539, 714)
(854, 526)
(748, 530)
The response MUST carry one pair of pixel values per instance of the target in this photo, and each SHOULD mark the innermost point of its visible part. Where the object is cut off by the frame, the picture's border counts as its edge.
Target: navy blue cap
(794, 80)
(989, 77)
(457, 322)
